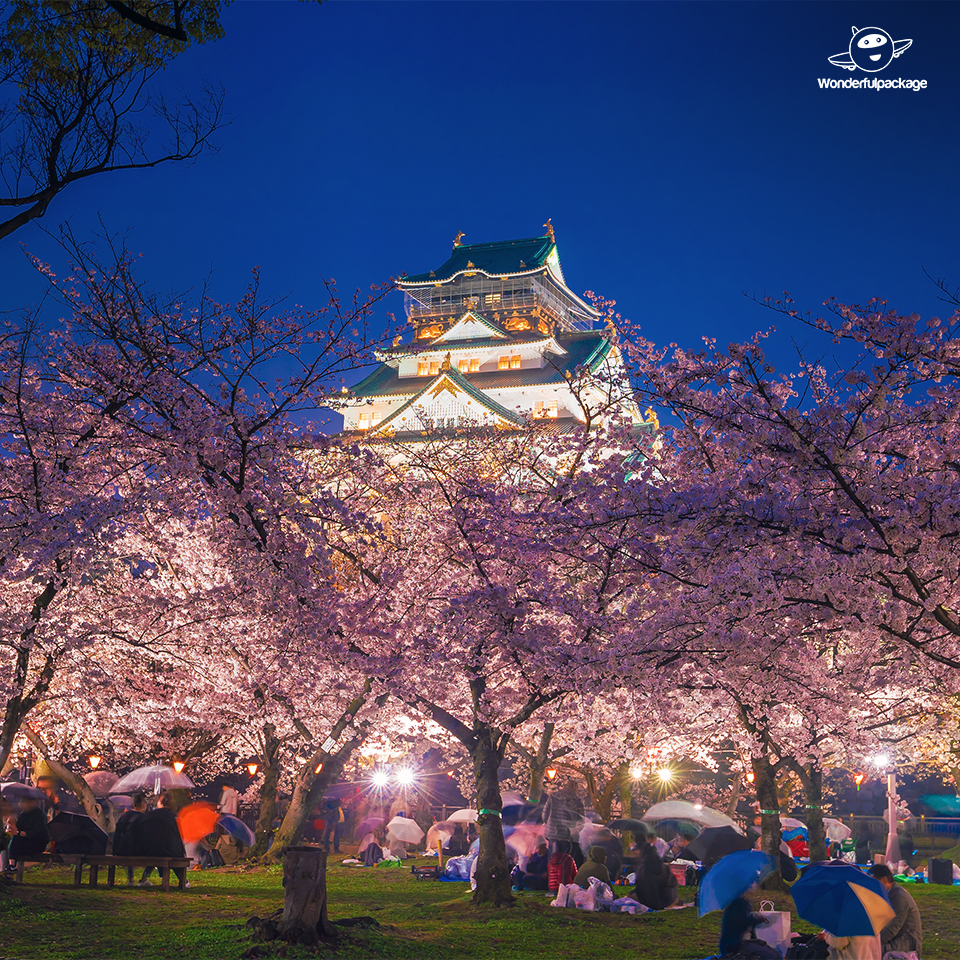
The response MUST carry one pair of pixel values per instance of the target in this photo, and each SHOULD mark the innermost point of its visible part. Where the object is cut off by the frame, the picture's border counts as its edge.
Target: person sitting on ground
(614, 848)
(656, 885)
(157, 835)
(852, 948)
(230, 849)
(534, 875)
(561, 867)
(593, 866)
(457, 845)
(737, 925)
(30, 834)
(903, 933)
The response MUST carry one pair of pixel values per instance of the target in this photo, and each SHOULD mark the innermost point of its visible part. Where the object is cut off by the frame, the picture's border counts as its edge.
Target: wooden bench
(77, 862)
(163, 866)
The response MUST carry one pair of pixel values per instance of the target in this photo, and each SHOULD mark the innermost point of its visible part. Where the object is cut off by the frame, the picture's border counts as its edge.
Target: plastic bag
(628, 905)
(565, 895)
(601, 891)
(584, 899)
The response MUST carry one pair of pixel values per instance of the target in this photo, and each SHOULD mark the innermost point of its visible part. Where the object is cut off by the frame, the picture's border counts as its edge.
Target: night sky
(683, 150)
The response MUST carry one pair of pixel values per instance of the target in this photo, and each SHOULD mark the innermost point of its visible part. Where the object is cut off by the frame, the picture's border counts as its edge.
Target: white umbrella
(156, 778)
(439, 831)
(682, 810)
(836, 830)
(405, 830)
(792, 824)
(462, 816)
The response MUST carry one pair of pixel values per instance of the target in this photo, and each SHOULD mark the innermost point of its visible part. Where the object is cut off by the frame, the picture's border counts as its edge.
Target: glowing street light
(380, 778)
(664, 774)
(881, 760)
(252, 768)
(405, 777)
(552, 773)
(858, 780)
(636, 772)
(94, 761)
(178, 765)
(751, 776)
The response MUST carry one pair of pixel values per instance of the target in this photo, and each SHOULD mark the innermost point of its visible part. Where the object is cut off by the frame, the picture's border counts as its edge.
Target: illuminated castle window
(545, 408)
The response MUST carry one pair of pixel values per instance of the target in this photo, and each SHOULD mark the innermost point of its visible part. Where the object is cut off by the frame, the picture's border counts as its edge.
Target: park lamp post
(884, 762)
(94, 760)
(252, 768)
(178, 765)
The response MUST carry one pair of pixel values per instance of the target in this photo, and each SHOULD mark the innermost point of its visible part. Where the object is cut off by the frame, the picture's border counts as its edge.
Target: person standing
(229, 800)
(903, 933)
(560, 818)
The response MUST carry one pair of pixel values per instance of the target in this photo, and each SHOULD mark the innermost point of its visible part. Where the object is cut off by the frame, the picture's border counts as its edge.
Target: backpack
(811, 950)
(373, 854)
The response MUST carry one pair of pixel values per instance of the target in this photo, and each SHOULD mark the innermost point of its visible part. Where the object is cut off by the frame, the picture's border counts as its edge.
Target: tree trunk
(735, 790)
(305, 896)
(538, 765)
(268, 791)
(813, 792)
(766, 786)
(493, 868)
(308, 790)
(98, 812)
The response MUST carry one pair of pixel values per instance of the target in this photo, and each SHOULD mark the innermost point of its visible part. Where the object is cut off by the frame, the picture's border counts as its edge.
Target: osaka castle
(497, 340)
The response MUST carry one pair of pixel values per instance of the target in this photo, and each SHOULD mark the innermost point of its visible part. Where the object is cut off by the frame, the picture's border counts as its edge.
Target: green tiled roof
(583, 349)
(499, 258)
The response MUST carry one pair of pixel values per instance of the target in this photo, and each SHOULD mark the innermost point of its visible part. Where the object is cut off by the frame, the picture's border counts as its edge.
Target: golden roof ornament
(470, 263)
(445, 366)
(652, 418)
(397, 339)
(548, 226)
(523, 266)
(458, 239)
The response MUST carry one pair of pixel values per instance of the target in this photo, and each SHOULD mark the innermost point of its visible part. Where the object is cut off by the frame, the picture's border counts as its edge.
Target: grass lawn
(47, 918)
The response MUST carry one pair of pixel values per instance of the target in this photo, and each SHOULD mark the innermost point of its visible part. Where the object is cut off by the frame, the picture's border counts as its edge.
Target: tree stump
(305, 896)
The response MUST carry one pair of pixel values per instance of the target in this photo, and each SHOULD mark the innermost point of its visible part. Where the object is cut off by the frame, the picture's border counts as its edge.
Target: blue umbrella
(842, 899)
(237, 828)
(732, 876)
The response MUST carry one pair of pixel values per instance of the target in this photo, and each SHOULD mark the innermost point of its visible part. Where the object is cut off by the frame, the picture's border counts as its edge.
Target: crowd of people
(572, 852)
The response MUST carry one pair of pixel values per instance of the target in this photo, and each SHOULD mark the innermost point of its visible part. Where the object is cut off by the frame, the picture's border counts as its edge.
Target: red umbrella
(197, 820)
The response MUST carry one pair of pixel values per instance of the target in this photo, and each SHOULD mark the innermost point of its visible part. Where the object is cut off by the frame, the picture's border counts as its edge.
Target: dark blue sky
(683, 150)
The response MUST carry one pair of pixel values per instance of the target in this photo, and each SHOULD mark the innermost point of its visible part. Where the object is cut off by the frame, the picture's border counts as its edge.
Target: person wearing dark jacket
(862, 849)
(457, 845)
(124, 844)
(30, 834)
(737, 923)
(614, 848)
(157, 835)
(656, 885)
(594, 866)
